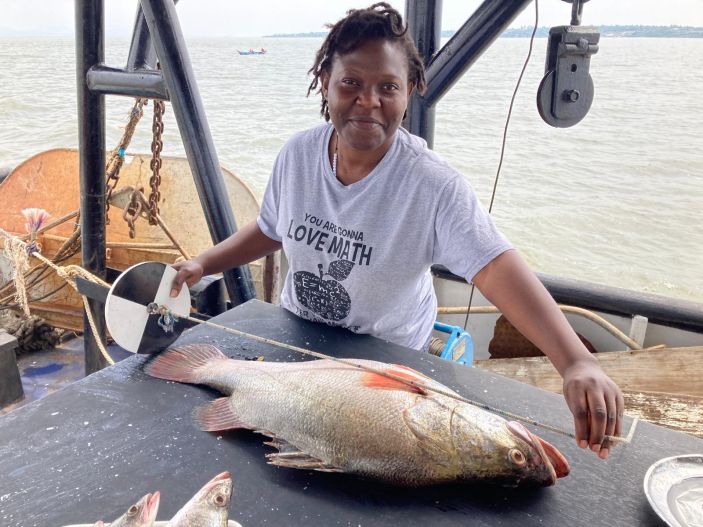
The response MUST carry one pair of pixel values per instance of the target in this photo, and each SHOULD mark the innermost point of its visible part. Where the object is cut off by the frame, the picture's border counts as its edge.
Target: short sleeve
(270, 205)
(466, 239)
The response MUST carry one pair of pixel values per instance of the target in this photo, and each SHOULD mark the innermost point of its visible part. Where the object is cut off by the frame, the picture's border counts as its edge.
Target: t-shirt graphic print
(325, 297)
(359, 255)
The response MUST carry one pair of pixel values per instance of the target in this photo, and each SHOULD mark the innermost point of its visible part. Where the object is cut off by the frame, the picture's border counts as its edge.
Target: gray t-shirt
(360, 255)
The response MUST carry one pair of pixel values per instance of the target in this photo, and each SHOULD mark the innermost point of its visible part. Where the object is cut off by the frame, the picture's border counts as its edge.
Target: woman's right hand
(189, 271)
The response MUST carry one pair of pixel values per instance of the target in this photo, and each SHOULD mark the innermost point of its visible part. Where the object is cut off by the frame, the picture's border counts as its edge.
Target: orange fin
(218, 415)
(374, 380)
(181, 363)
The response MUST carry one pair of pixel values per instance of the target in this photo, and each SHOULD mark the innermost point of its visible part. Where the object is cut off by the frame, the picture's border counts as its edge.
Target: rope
(590, 315)
(421, 386)
(505, 135)
(16, 252)
(96, 334)
(68, 273)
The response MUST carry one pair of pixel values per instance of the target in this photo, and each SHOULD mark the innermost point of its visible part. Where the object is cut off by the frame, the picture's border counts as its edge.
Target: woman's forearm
(244, 246)
(510, 285)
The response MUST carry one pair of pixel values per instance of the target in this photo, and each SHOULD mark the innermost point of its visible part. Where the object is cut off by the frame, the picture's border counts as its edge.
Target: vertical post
(183, 92)
(638, 329)
(91, 139)
(424, 19)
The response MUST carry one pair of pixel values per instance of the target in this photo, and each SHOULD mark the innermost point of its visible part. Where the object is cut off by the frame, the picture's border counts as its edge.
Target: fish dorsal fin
(374, 380)
(218, 415)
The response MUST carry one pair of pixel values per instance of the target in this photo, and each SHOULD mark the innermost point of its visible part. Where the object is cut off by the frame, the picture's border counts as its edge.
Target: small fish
(209, 507)
(328, 416)
(141, 514)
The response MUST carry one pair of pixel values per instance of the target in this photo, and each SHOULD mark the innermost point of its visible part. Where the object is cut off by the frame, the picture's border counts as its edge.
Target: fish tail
(183, 363)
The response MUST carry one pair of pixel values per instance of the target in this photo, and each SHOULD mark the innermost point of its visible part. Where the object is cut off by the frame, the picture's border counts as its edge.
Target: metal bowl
(674, 488)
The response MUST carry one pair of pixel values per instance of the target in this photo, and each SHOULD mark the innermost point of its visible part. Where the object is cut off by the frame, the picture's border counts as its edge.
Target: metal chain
(132, 211)
(156, 148)
(114, 164)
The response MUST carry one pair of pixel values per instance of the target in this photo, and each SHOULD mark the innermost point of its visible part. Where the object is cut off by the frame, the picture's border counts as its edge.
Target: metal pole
(135, 83)
(424, 19)
(473, 38)
(183, 90)
(91, 139)
(141, 51)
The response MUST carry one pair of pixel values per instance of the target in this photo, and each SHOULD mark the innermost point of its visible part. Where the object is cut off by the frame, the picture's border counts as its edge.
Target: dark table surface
(93, 448)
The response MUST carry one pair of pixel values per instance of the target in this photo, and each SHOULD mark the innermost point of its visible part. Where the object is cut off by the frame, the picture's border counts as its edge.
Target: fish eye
(220, 500)
(132, 510)
(517, 457)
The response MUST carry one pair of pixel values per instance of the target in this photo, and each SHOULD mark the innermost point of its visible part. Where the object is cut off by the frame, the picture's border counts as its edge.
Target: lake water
(617, 199)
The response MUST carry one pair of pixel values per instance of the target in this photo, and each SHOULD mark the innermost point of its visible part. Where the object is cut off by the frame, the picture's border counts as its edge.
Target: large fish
(209, 507)
(328, 416)
(141, 514)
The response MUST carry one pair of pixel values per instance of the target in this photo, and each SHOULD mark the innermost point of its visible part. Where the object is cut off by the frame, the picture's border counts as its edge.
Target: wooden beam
(663, 386)
(666, 370)
(678, 412)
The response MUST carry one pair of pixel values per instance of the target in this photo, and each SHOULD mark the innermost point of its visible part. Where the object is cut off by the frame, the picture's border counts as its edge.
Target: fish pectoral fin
(278, 443)
(299, 460)
(218, 415)
(291, 456)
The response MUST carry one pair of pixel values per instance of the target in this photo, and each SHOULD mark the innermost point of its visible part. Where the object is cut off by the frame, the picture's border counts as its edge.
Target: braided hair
(379, 21)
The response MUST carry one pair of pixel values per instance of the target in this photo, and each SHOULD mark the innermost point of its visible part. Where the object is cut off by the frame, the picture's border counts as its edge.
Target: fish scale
(326, 415)
(319, 403)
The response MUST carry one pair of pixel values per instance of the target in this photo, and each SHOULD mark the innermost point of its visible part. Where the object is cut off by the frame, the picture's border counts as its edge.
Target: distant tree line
(543, 32)
(611, 31)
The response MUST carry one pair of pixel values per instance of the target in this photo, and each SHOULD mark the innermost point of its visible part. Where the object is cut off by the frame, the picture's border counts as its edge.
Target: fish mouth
(149, 511)
(224, 476)
(554, 461)
(220, 477)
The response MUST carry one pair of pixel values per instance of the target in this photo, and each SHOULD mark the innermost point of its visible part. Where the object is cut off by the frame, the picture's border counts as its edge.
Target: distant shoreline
(520, 32)
(543, 32)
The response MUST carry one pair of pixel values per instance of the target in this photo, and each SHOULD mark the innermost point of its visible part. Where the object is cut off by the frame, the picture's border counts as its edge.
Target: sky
(235, 18)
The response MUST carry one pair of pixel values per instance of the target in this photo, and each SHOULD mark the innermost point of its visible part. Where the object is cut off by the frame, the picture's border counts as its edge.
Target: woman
(362, 210)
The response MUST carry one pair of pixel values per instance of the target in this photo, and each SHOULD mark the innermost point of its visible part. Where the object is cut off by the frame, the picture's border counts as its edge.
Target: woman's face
(367, 93)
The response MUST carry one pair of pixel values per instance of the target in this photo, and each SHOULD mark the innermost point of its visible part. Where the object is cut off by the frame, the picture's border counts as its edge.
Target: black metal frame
(445, 67)
(157, 33)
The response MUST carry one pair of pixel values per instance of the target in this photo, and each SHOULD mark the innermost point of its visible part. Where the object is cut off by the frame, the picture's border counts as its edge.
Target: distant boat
(261, 51)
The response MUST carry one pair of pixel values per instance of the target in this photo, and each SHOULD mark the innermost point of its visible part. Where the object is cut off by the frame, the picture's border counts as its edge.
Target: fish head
(491, 448)
(217, 492)
(544, 464)
(209, 506)
(141, 514)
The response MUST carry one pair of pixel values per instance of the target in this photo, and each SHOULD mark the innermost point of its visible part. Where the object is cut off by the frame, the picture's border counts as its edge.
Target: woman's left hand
(596, 403)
